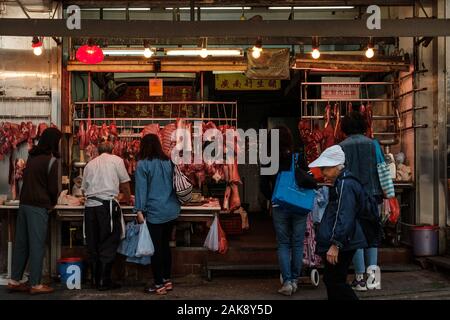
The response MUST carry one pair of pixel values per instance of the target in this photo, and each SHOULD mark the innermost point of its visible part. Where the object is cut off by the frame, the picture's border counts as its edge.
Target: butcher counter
(190, 213)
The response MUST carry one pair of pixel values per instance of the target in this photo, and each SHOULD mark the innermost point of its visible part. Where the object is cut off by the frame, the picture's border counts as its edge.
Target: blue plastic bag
(128, 246)
(320, 204)
(145, 243)
(289, 196)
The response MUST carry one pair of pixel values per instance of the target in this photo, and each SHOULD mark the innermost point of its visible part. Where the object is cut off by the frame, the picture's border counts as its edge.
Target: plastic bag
(223, 243)
(395, 210)
(212, 239)
(145, 243)
(129, 245)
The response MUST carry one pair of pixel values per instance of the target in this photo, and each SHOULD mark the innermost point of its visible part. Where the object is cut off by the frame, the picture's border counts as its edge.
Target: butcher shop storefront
(119, 88)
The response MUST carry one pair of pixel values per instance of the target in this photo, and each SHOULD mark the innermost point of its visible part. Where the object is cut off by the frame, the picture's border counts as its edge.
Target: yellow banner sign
(239, 82)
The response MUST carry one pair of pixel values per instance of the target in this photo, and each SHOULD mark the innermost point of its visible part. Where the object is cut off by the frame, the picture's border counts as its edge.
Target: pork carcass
(312, 150)
(328, 131)
(151, 129)
(209, 131)
(113, 129)
(168, 139)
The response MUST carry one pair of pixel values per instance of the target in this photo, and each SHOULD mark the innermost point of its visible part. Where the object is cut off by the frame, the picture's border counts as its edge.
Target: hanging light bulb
(315, 52)
(36, 44)
(370, 53)
(204, 53)
(243, 17)
(148, 53)
(257, 49)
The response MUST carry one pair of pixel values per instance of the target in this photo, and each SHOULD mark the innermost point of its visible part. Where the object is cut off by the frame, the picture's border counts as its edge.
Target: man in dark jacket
(340, 234)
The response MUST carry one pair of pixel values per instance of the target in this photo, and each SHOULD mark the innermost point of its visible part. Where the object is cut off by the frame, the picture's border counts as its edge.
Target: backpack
(369, 218)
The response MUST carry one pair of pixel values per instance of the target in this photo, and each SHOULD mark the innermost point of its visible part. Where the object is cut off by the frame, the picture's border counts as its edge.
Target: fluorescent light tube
(313, 8)
(210, 52)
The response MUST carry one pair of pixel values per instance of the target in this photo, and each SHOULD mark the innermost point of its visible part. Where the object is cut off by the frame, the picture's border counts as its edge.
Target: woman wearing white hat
(340, 234)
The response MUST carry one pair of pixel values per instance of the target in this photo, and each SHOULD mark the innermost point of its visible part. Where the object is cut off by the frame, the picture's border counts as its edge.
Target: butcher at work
(104, 177)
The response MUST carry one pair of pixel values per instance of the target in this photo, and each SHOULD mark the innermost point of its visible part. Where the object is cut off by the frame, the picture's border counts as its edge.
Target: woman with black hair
(156, 204)
(39, 194)
(360, 160)
(289, 226)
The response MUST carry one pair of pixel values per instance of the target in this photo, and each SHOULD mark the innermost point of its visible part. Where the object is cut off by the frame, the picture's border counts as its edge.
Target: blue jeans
(364, 258)
(290, 231)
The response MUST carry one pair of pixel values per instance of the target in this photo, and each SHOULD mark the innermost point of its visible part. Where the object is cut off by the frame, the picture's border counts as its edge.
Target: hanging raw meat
(41, 127)
(328, 131)
(208, 130)
(226, 198)
(235, 200)
(349, 108)
(82, 136)
(113, 129)
(338, 134)
(167, 141)
(104, 132)
(312, 151)
(151, 128)
(369, 117)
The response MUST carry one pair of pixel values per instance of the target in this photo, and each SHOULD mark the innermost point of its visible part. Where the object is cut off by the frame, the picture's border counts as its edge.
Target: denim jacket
(360, 160)
(339, 225)
(154, 194)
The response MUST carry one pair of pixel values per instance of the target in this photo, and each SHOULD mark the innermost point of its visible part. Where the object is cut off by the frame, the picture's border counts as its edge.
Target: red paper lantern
(90, 54)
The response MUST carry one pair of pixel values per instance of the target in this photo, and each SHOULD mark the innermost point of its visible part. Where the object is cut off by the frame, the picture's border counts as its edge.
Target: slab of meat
(234, 173)
(113, 129)
(209, 133)
(92, 134)
(82, 136)
(91, 152)
(226, 198)
(338, 134)
(41, 127)
(311, 149)
(328, 131)
(168, 138)
(150, 128)
(235, 200)
(104, 132)
(369, 117)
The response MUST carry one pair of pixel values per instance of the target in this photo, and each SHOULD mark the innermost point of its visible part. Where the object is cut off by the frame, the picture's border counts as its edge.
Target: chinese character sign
(239, 82)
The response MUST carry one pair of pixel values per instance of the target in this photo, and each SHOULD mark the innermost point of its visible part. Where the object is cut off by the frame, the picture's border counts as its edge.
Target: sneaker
(294, 286)
(156, 289)
(168, 284)
(359, 285)
(286, 289)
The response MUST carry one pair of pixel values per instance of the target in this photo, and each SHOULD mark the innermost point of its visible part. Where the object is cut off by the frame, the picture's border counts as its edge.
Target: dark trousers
(162, 258)
(102, 244)
(335, 277)
(29, 243)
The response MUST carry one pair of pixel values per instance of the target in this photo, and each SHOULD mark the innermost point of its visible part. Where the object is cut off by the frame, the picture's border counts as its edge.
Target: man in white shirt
(103, 178)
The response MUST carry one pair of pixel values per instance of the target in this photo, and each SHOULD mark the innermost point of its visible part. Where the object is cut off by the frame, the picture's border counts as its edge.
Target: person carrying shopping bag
(156, 204)
(289, 225)
(361, 160)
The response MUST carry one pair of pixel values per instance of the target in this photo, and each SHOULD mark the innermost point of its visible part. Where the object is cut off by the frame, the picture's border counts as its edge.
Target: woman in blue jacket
(340, 233)
(156, 203)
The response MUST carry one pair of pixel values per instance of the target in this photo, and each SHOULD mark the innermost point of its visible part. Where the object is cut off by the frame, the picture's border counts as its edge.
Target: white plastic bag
(212, 239)
(145, 243)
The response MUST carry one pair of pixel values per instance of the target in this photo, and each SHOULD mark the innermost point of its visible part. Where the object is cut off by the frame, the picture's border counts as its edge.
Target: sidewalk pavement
(423, 284)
